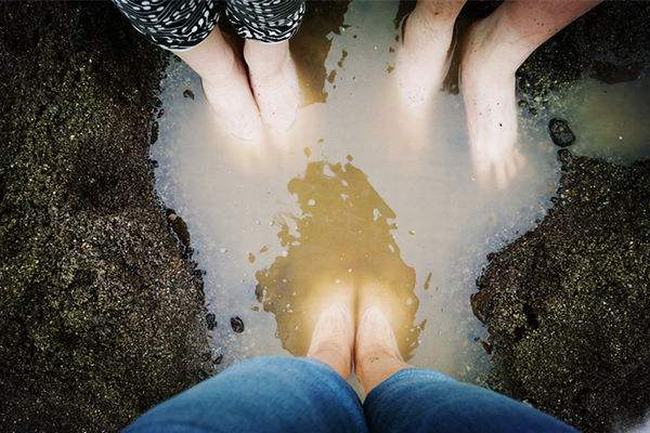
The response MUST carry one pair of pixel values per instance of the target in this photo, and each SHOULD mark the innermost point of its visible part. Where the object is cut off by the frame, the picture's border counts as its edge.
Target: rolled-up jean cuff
(414, 376)
(270, 394)
(422, 401)
(339, 382)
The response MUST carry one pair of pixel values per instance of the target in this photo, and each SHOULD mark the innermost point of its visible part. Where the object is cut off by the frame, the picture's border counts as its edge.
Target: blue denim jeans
(287, 395)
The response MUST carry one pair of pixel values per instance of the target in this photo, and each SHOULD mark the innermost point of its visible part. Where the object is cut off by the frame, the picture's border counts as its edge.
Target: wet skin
(246, 93)
(492, 50)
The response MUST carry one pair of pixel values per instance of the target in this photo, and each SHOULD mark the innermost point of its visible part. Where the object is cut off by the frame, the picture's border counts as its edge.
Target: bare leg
(333, 338)
(495, 47)
(422, 60)
(377, 354)
(226, 86)
(274, 80)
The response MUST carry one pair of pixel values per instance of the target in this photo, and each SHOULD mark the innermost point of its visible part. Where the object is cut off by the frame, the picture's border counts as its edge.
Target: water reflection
(340, 241)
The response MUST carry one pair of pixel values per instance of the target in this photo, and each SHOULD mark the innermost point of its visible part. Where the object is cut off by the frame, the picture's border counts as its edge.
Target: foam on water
(234, 196)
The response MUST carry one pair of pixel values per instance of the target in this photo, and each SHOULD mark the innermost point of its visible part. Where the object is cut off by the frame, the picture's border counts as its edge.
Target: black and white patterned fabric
(181, 24)
(265, 20)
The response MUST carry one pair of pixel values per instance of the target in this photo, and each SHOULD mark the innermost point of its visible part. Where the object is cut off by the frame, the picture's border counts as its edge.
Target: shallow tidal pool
(359, 188)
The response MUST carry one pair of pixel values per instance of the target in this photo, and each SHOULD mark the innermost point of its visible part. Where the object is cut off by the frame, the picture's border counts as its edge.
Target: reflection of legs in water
(422, 57)
(285, 394)
(495, 47)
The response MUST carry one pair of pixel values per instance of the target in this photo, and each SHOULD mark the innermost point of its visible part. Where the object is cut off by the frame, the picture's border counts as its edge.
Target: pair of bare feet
(492, 51)
(355, 332)
(244, 95)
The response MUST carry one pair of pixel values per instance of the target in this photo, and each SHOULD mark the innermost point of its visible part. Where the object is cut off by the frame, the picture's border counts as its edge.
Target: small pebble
(188, 94)
(237, 324)
(560, 132)
(211, 321)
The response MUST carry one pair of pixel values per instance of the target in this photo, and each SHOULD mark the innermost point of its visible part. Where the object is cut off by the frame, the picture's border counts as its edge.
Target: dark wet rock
(487, 346)
(211, 320)
(187, 93)
(561, 132)
(567, 304)
(237, 324)
(155, 129)
(101, 316)
(179, 227)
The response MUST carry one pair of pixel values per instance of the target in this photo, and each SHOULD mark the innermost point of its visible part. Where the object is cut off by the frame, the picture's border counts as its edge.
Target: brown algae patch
(344, 55)
(331, 76)
(341, 241)
(427, 282)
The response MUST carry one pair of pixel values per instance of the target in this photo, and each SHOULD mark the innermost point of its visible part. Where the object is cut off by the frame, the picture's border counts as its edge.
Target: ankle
(497, 36)
(429, 24)
(374, 367)
(488, 52)
(365, 357)
(441, 12)
(334, 355)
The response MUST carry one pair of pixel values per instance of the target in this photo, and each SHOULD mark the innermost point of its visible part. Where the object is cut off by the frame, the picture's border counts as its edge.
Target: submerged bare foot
(226, 87)
(422, 59)
(332, 341)
(232, 103)
(488, 69)
(274, 80)
(377, 352)
(496, 46)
